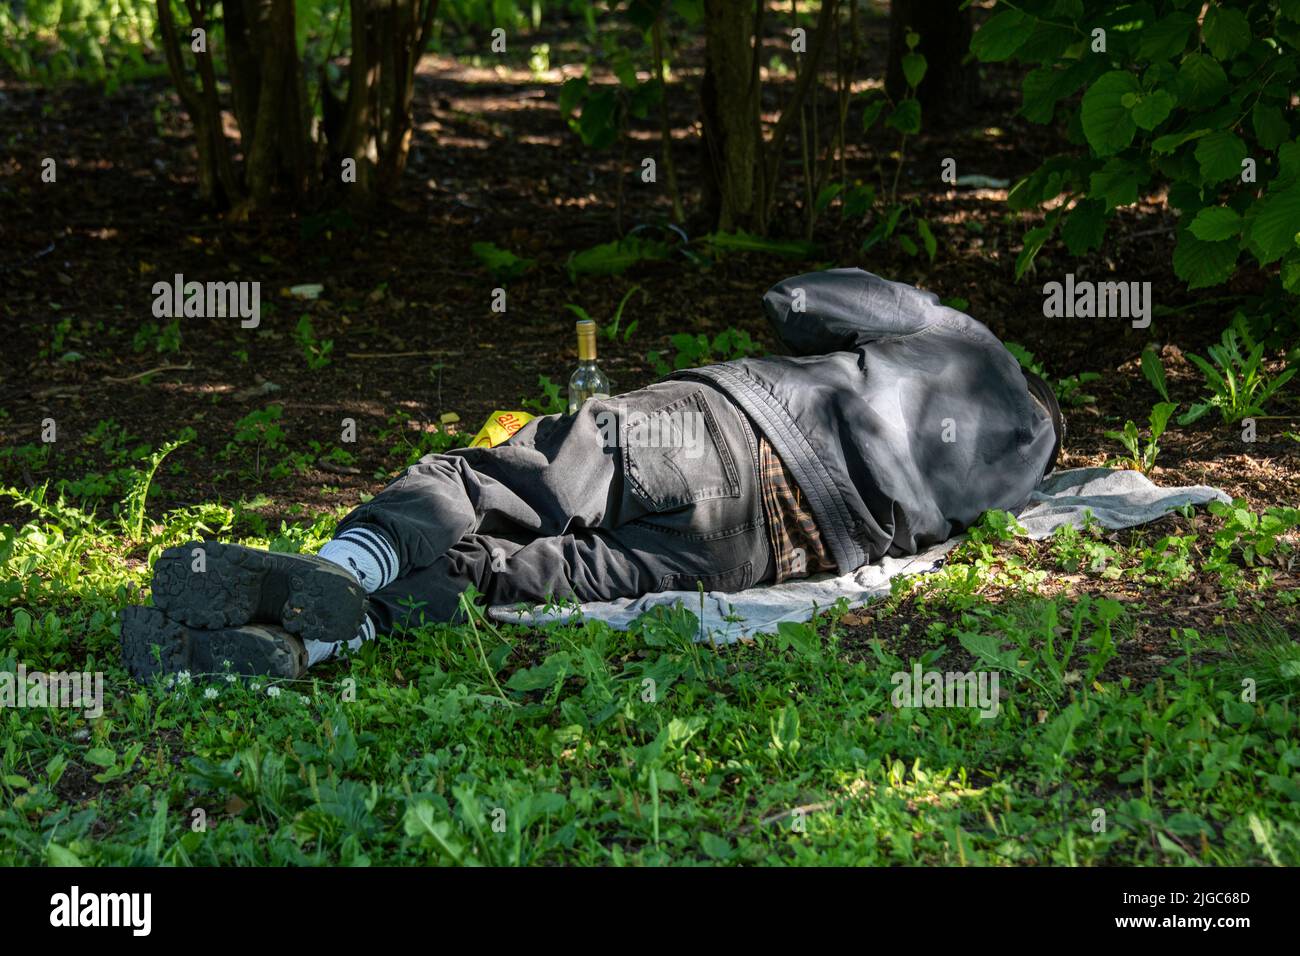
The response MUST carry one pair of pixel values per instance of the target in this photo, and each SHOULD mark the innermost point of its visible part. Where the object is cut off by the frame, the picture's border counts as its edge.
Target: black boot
(210, 585)
(153, 643)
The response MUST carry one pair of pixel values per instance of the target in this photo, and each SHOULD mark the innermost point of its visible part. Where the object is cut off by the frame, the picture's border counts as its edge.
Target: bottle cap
(586, 340)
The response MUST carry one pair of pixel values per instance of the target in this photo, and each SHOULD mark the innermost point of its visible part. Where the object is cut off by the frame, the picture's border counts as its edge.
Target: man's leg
(718, 539)
(604, 467)
(210, 585)
(668, 474)
(557, 474)
(587, 566)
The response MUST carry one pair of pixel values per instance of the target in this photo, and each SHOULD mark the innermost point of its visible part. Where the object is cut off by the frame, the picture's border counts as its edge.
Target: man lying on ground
(892, 425)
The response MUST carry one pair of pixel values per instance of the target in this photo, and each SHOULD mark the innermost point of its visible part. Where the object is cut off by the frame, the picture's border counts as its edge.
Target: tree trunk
(242, 62)
(217, 181)
(949, 87)
(410, 24)
(282, 149)
(729, 95)
(280, 158)
(806, 81)
(742, 171)
(665, 125)
(387, 44)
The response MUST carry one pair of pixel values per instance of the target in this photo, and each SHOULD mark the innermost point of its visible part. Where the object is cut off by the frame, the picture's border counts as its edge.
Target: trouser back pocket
(674, 454)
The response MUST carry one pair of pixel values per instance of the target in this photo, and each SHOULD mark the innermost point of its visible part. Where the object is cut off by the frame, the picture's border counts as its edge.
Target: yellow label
(499, 427)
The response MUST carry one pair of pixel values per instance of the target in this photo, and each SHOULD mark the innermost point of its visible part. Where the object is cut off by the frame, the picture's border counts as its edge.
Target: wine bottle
(587, 380)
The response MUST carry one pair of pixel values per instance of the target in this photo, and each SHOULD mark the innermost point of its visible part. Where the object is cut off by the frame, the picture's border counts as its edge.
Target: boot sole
(308, 597)
(251, 652)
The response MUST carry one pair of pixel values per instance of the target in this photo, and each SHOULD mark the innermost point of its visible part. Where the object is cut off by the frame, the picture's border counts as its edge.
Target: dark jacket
(901, 419)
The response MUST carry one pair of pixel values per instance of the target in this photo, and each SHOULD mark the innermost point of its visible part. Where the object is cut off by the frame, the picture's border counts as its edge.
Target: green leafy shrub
(259, 430)
(412, 440)
(502, 263)
(611, 328)
(1069, 391)
(720, 243)
(1239, 385)
(1203, 109)
(96, 41)
(551, 401)
(315, 351)
(696, 350)
(1254, 536)
(600, 114)
(1143, 457)
(160, 338)
(893, 217)
(615, 258)
(1153, 370)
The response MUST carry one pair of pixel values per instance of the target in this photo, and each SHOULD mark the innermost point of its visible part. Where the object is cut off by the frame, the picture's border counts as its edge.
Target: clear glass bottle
(587, 380)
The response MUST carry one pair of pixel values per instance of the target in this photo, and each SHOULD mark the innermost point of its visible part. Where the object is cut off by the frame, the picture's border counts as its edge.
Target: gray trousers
(654, 490)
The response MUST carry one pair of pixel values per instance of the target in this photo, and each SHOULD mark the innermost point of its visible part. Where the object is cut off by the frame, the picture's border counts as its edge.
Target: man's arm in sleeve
(843, 309)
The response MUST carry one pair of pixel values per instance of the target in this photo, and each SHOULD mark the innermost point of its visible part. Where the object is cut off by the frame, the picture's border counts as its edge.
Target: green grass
(576, 744)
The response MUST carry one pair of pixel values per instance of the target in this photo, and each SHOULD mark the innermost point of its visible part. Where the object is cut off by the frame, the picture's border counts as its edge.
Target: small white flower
(254, 687)
(304, 698)
(210, 693)
(273, 692)
(230, 678)
(183, 678)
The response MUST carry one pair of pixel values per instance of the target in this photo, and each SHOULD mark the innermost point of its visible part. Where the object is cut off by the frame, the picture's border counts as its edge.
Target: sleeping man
(892, 425)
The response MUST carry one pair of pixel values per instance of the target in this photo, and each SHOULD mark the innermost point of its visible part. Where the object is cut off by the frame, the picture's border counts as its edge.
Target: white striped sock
(318, 651)
(366, 554)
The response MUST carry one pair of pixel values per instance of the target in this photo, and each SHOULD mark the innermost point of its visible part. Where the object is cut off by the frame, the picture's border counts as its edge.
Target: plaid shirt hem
(797, 548)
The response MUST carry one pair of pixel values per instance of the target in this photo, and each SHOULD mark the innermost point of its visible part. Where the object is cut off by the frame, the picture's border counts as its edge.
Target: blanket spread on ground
(1116, 499)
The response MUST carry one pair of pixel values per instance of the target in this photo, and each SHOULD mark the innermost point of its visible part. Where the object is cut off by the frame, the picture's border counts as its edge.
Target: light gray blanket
(1116, 499)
